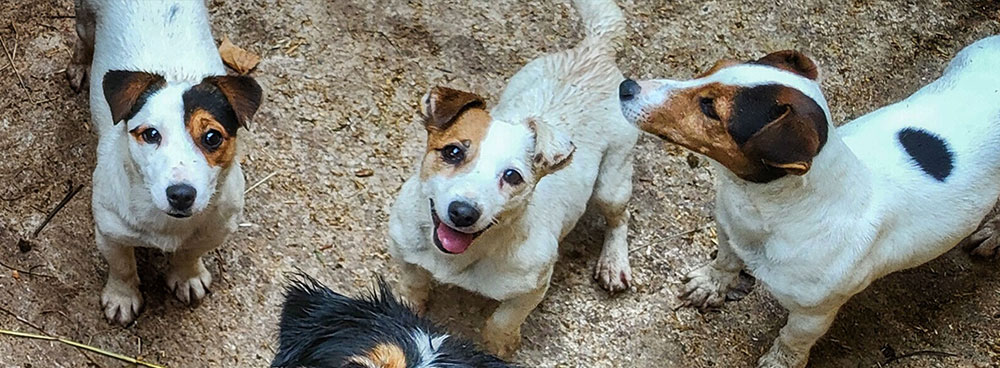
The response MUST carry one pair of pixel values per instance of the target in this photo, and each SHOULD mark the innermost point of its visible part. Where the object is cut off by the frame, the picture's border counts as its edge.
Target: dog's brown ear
(243, 94)
(778, 126)
(127, 91)
(792, 61)
(553, 148)
(441, 106)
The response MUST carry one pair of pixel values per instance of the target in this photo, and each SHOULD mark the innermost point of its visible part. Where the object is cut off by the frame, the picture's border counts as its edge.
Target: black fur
(321, 328)
(753, 109)
(208, 97)
(928, 151)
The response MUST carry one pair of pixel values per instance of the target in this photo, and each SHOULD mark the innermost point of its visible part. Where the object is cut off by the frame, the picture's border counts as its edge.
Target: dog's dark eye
(512, 177)
(151, 136)
(212, 139)
(708, 107)
(452, 154)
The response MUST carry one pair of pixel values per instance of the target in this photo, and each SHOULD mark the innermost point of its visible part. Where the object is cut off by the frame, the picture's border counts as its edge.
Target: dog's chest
(498, 278)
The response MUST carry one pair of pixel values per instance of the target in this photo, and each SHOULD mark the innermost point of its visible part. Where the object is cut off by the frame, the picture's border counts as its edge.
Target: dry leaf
(242, 61)
(363, 173)
(16, 275)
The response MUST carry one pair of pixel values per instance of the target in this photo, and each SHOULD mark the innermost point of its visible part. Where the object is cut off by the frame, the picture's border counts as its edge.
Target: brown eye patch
(465, 133)
(211, 137)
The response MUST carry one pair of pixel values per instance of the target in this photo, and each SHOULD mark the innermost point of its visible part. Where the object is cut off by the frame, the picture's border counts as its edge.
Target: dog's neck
(837, 178)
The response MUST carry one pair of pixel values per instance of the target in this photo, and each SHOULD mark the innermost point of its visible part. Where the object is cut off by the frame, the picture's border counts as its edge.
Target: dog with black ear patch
(817, 212)
(321, 328)
(168, 174)
(497, 189)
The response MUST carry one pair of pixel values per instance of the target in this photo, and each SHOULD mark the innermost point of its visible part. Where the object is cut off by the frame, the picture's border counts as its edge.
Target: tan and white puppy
(496, 190)
(816, 212)
(167, 174)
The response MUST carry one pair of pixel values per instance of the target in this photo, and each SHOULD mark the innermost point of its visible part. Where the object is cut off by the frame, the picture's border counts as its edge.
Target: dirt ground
(342, 79)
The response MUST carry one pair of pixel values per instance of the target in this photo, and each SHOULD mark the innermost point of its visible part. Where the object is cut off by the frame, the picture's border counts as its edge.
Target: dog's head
(182, 135)
(478, 170)
(762, 120)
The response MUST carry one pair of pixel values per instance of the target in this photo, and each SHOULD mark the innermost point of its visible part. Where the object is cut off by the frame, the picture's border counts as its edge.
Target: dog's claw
(190, 286)
(613, 273)
(708, 288)
(121, 303)
(985, 242)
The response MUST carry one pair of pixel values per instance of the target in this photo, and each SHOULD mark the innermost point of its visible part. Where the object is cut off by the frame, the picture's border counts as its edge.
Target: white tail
(603, 23)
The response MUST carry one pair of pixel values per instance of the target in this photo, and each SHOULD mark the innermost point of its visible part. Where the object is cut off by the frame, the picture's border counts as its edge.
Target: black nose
(181, 196)
(628, 90)
(462, 214)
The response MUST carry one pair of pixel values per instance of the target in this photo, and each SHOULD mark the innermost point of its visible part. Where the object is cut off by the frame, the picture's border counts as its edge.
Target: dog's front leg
(188, 278)
(713, 284)
(502, 333)
(791, 348)
(415, 285)
(120, 299)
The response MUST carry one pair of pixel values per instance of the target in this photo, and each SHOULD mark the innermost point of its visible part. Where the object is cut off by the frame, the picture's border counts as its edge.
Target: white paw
(190, 284)
(780, 356)
(613, 272)
(708, 287)
(121, 302)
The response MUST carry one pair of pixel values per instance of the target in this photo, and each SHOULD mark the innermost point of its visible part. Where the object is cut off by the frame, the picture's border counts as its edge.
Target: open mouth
(449, 240)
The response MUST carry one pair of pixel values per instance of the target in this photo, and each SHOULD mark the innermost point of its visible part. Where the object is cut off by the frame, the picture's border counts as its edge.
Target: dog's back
(321, 328)
(937, 149)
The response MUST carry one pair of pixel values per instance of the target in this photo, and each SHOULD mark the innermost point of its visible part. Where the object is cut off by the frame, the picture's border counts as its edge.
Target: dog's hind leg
(120, 299)
(791, 348)
(83, 48)
(611, 195)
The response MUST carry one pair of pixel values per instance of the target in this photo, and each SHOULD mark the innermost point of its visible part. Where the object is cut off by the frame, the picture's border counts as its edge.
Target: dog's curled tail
(603, 23)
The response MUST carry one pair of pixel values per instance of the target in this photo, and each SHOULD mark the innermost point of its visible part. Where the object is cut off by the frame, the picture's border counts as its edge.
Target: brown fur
(382, 356)
(199, 123)
(443, 105)
(124, 91)
(467, 130)
(792, 61)
(242, 92)
(784, 145)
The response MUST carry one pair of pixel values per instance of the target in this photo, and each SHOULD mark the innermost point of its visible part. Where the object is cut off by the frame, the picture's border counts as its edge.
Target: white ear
(553, 148)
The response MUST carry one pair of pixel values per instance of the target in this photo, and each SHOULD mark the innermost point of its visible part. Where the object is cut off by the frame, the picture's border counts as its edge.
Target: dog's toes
(744, 285)
(121, 304)
(76, 75)
(985, 242)
(190, 286)
(613, 274)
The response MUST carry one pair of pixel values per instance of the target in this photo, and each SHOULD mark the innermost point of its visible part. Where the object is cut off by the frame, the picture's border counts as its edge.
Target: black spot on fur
(208, 97)
(321, 328)
(928, 151)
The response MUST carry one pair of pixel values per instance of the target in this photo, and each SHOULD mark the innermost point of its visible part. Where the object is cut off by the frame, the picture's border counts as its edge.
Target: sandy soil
(342, 79)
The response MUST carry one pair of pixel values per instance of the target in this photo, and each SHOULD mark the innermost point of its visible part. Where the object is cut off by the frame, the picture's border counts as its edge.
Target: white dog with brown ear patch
(167, 173)
(816, 212)
(497, 190)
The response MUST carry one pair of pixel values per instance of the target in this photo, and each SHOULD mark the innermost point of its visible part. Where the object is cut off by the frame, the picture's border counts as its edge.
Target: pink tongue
(453, 241)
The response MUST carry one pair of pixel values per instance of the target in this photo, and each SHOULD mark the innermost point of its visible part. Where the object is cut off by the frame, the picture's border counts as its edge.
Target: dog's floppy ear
(553, 148)
(779, 126)
(442, 105)
(242, 92)
(126, 91)
(792, 61)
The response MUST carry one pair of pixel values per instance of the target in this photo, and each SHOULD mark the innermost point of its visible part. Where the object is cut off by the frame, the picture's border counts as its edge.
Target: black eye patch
(208, 97)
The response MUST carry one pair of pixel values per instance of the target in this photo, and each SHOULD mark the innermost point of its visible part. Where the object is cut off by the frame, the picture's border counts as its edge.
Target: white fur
(864, 209)
(172, 39)
(573, 93)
